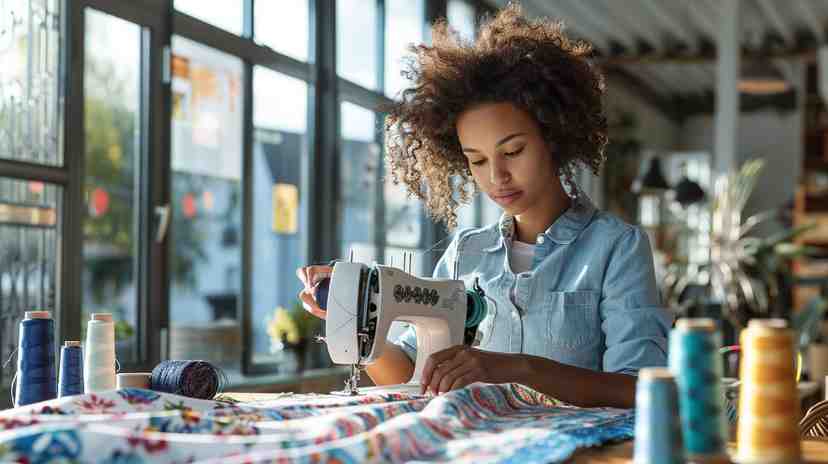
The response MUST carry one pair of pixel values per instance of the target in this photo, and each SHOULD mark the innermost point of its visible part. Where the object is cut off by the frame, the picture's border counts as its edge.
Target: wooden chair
(815, 423)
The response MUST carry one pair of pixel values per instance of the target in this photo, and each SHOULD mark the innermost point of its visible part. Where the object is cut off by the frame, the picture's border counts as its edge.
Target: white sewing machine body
(363, 301)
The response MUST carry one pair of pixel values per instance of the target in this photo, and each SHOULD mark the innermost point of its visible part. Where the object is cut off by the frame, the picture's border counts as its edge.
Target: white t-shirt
(521, 256)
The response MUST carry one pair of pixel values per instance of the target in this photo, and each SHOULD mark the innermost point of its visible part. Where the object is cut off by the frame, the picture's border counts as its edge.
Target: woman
(574, 308)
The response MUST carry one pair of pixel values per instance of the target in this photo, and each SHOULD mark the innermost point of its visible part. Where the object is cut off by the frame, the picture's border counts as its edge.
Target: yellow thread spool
(767, 431)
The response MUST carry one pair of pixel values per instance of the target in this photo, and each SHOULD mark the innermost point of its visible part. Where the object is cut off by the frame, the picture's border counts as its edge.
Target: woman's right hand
(310, 277)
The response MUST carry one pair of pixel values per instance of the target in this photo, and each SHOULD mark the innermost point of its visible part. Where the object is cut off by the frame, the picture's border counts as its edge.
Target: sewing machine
(362, 302)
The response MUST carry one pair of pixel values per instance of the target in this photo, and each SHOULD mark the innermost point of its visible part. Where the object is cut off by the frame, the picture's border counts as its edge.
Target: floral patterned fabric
(480, 423)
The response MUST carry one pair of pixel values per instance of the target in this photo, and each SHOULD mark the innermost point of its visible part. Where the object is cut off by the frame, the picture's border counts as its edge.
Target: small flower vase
(301, 351)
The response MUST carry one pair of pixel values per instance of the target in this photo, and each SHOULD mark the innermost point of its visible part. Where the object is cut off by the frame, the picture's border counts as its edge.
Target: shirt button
(540, 240)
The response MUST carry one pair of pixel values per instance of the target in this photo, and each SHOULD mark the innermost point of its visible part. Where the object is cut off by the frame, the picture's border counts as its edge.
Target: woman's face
(508, 157)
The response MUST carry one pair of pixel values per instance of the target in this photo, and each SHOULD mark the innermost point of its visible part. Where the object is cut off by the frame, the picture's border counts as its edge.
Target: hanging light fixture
(653, 180)
(688, 192)
(759, 79)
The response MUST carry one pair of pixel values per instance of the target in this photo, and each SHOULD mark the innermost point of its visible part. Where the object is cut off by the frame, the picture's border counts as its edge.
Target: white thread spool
(134, 380)
(99, 354)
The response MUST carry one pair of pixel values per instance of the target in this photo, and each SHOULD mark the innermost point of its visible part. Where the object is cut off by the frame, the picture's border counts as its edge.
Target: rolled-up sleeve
(633, 318)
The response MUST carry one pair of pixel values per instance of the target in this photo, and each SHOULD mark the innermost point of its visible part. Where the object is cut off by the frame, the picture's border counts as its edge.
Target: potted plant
(310, 353)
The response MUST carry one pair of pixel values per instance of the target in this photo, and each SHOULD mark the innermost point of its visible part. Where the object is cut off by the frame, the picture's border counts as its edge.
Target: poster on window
(206, 111)
(285, 208)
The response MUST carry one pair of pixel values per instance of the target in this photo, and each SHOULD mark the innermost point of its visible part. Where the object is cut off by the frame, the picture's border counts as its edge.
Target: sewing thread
(99, 354)
(767, 431)
(657, 425)
(697, 366)
(71, 369)
(36, 376)
(195, 379)
(134, 380)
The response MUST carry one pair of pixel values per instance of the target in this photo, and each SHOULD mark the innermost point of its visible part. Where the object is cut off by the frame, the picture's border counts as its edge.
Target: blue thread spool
(695, 361)
(36, 359)
(657, 424)
(194, 379)
(70, 378)
(320, 293)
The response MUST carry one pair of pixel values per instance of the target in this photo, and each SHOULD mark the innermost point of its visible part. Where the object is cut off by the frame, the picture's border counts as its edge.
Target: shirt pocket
(572, 319)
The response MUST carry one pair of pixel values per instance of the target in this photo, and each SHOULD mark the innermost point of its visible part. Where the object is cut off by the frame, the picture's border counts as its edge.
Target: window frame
(326, 90)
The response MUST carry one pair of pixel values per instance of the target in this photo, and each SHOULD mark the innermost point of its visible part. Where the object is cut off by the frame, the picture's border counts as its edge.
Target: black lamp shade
(688, 192)
(654, 179)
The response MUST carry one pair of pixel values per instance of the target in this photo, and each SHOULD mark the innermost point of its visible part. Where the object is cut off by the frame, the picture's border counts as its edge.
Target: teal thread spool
(657, 425)
(697, 365)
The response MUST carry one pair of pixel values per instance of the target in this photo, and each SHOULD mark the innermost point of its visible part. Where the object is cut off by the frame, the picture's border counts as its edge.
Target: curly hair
(530, 64)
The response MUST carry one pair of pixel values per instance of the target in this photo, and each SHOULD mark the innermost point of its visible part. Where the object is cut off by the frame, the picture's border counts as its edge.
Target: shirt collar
(564, 230)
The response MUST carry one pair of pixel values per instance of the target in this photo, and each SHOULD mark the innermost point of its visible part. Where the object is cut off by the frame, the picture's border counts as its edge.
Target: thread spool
(818, 361)
(195, 379)
(657, 425)
(70, 380)
(767, 431)
(134, 380)
(36, 376)
(697, 366)
(99, 359)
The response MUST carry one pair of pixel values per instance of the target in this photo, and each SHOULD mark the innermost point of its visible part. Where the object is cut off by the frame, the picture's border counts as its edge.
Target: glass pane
(205, 261)
(356, 41)
(404, 23)
(291, 33)
(112, 109)
(29, 212)
(359, 181)
(30, 113)
(403, 216)
(280, 149)
(467, 215)
(226, 14)
(461, 17)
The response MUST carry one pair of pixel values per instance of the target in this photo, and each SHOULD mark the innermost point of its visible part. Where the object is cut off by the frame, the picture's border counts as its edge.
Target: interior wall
(773, 136)
(656, 133)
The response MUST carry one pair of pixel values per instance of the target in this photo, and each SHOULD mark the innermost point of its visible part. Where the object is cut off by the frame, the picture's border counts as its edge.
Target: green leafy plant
(307, 324)
(123, 330)
(745, 274)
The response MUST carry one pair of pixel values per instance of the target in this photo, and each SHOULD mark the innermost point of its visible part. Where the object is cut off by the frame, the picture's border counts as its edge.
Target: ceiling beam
(812, 19)
(706, 104)
(700, 20)
(660, 12)
(657, 82)
(585, 29)
(580, 11)
(709, 56)
(643, 91)
(768, 9)
(635, 27)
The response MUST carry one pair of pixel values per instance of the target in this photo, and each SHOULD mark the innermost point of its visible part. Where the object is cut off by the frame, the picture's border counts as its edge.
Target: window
(356, 41)
(226, 14)
(30, 115)
(694, 241)
(403, 226)
(29, 215)
(205, 233)
(461, 17)
(280, 150)
(112, 109)
(283, 26)
(404, 23)
(359, 167)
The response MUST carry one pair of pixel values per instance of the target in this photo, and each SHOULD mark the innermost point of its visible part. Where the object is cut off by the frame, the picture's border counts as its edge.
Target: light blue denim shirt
(590, 299)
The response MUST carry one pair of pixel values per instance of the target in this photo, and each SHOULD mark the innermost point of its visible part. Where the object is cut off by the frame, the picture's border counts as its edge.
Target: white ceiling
(669, 45)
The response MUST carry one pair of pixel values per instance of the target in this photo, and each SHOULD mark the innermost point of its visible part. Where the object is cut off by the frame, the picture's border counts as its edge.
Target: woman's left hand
(462, 365)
